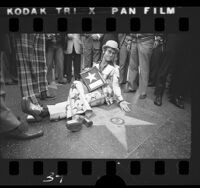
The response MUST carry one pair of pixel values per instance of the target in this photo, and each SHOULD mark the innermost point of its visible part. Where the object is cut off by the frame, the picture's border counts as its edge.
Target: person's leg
(28, 77)
(39, 48)
(59, 58)
(77, 66)
(65, 65)
(49, 59)
(123, 64)
(7, 118)
(87, 55)
(10, 125)
(13, 61)
(96, 55)
(132, 74)
(6, 68)
(69, 67)
(162, 76)
(155, 63)
(24, 54)
(145, 49)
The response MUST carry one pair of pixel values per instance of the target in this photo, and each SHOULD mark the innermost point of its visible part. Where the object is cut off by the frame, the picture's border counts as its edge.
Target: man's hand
(95, 37)
(124, 106)
(128, 47)
(156, 43)
(70, 36)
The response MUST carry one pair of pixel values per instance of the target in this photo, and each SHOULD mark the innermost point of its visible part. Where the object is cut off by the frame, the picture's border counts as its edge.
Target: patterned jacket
(111, 90)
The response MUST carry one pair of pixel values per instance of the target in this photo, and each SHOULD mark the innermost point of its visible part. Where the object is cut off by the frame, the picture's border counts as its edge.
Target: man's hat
(111, 44)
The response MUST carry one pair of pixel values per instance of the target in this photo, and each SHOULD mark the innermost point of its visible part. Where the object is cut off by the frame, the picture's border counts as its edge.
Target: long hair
(110, 62)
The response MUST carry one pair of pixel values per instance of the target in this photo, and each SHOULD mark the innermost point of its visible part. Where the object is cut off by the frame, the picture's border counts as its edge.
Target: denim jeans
(140, 55)
(55, 55)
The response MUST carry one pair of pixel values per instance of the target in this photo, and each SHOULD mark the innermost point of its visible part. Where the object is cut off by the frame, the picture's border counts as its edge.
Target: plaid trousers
(32, 68)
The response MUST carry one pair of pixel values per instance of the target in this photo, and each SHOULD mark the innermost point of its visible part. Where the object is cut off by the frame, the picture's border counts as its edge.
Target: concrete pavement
(148, 131)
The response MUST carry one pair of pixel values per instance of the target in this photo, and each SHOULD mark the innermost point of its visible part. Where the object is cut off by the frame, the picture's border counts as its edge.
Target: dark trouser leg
(180, 77)
(77, 65)
(50, 55)
(96, 55)
(59, 62)
(155, 63)
(69, 66)
(123, 64)
(87, 57)
(7, 118)
(163, 72)
(65, 64)
(6, 67)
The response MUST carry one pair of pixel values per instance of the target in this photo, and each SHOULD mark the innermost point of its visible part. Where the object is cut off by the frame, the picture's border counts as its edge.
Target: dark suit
(182, 67)
(8, 120)
(157, 59)
(174, 55)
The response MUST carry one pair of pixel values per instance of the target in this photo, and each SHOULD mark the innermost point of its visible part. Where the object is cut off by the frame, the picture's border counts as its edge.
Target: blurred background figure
(91, 49)
(32, 71)
(125, 41)
(176, 60)
(10, 125)
(73, 53)
(9, 66)
(180, 85)
(55, 57)
(140, 55)
(156, 58)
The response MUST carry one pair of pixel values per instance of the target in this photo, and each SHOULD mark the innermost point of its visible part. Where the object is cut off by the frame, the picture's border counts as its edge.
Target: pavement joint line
(129, 153)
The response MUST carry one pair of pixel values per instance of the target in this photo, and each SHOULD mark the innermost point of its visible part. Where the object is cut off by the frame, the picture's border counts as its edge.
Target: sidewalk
(148, 131)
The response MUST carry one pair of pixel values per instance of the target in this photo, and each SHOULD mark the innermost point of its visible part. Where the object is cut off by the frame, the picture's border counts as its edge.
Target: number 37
(51, 177)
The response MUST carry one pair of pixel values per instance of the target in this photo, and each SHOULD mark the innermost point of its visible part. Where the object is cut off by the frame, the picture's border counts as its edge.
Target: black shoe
(158, 100)
(74, 125)
(87, 122)
(128, 89)
(142, 96)
(69, 80)
(32, 109)
(23, 135)
(44, 96)
(178, 101)
(63, 81)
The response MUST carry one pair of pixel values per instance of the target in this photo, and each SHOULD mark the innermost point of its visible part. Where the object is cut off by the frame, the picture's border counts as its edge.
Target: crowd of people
(133, 61)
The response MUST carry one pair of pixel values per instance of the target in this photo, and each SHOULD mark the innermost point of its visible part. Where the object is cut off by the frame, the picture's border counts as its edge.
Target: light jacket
(111, 75)
(74, 41)
(89, 43)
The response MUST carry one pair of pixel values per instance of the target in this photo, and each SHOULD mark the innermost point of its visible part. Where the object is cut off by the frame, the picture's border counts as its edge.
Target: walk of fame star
(91, 77)
(116, 121)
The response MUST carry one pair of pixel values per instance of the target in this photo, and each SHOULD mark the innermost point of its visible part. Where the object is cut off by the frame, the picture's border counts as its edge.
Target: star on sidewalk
(116, 121)
(91, 77)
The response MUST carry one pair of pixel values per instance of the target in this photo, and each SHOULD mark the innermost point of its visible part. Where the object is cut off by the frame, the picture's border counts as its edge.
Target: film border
(146, 176)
